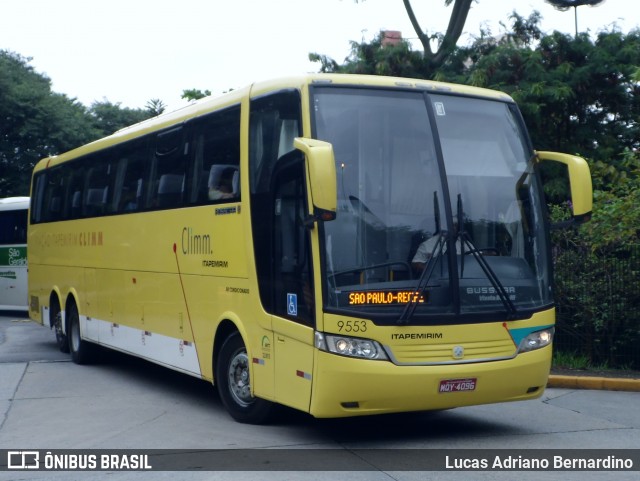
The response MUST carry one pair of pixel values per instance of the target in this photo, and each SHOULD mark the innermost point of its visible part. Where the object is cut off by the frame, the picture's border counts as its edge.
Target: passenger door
(293, 303)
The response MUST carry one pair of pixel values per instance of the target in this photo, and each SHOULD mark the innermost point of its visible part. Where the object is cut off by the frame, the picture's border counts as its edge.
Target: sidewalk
(594, 382)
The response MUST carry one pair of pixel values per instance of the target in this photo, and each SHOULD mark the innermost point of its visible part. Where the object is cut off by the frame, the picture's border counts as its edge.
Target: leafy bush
(597, 270)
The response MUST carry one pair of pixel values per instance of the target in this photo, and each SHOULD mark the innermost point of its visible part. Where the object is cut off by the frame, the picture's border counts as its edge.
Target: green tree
(577, 95)
(597, 269)
(375, 58)
(35, 122)
(446, 42)
(155, 107)
(107, 117)
(194, 94)
(380, 59)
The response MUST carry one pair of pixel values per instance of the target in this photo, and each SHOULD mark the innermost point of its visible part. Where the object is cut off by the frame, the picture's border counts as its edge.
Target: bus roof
(234, 97)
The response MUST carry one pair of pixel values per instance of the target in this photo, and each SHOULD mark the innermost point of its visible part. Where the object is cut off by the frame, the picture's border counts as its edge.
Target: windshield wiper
(427, 272)
(423, 281)
(465, 239)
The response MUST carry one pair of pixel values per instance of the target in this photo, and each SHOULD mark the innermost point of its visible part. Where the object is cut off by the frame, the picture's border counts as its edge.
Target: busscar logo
(489, 290)
(23, 460)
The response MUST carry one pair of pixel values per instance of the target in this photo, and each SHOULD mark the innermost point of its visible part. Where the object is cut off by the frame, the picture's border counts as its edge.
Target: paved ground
(47, 402)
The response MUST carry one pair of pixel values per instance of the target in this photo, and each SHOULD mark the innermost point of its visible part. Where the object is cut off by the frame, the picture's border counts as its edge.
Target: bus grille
(420, 354)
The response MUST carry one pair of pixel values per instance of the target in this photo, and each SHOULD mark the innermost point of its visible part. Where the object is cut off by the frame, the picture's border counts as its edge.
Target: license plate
(458, 385)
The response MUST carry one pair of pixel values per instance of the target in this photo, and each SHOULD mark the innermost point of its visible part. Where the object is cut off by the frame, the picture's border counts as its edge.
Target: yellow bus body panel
(145, 285)
(381, 387)
(351, 387)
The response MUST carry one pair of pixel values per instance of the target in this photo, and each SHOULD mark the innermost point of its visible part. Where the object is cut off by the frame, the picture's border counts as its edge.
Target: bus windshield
(439, 207)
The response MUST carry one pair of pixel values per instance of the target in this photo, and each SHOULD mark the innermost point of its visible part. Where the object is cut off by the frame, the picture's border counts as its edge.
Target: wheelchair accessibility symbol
(292, 304)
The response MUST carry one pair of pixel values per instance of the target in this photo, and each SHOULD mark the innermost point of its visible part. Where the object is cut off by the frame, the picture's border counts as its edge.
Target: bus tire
(234, 387)
(82, 352)
(55, 321)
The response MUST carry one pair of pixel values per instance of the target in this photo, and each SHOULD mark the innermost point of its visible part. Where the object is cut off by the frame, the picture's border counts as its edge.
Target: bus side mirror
(321, 169)
(580, 181)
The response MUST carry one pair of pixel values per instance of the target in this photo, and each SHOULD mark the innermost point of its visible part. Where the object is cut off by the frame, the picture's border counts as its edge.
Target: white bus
(13, 253)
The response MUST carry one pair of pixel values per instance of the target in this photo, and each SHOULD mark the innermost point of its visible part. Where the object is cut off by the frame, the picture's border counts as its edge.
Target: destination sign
(368, 298)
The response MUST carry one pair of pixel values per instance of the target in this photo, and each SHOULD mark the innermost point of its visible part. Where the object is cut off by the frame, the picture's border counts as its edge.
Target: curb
(592, 382)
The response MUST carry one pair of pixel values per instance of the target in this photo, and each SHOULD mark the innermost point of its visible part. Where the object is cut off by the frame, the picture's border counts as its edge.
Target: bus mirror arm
(580, 181)
(321, 174)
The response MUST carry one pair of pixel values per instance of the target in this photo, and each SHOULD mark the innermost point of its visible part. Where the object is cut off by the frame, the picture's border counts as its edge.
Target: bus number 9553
(352, 326)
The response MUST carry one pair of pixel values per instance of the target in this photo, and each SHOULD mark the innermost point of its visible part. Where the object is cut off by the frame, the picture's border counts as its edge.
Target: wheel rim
(238, 376)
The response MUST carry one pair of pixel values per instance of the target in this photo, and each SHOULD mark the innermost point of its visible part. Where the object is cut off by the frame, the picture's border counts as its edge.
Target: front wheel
(82, 352)
(234, 384)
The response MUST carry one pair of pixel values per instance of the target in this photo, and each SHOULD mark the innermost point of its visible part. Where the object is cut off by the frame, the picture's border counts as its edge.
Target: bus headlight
(536, 340)
(350, 346)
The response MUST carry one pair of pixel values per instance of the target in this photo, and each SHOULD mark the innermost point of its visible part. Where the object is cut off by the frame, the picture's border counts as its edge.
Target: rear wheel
(55, 321)
(234, 384)
(82, 352)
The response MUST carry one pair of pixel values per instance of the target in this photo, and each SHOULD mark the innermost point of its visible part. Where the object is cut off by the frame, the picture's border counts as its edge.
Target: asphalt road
(49, 403)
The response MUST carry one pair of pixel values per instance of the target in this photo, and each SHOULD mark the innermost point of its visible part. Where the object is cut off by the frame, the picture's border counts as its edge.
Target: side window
(37, 197)
(216, 174)
(13, 227)
(168, 179)
(292, 274)
(53, 195)
(132, 177)
(98, 192)
(274, 122)
(74, 173)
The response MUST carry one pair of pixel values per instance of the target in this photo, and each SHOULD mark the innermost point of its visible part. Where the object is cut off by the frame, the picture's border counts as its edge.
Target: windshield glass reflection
(463, 205)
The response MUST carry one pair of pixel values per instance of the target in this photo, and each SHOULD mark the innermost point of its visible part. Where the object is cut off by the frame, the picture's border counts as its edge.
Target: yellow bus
(342, 245)
(13, 253)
